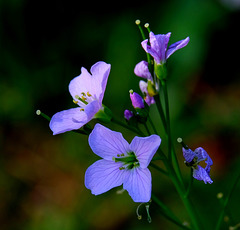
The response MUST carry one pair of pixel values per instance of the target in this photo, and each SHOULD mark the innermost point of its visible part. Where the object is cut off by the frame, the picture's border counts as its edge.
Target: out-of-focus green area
(44, 44)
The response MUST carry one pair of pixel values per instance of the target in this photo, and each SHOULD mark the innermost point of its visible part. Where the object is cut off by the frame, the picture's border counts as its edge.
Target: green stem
(158, 168)
(160, 110)
(165, 211)
(182, 192)
(131, 128)
(234, 185)
(147, 129)
(152, 125)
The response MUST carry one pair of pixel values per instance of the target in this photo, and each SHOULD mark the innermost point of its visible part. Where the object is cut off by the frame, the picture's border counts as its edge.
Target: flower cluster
(123, 163)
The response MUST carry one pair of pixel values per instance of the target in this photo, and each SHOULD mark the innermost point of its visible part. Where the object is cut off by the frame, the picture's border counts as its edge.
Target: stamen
(75, 102)
(137, 211)
(89, 95)
(81, 109)
(146, 25)
(137, 22)
(82, 99)
(84, 94)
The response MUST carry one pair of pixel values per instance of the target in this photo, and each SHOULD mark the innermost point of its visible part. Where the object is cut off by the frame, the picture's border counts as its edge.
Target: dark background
(44, 44)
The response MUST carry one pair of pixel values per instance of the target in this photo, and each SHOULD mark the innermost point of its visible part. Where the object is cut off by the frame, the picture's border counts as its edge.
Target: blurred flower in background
(45, 43)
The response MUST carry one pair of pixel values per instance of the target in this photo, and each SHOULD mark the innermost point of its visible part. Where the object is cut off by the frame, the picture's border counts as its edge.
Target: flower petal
(203, 156)
(201, 174)
(188, 154)
(107, 143)
(141, 70)
(104, 175)
(176, 46)
(94, 84)
(145, 148)
(100, 72)
(68, 120)
(150, 50)
(159, 44)
(138, 183)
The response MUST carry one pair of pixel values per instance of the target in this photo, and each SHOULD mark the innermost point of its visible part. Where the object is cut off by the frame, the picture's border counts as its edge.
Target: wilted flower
(194, 158)
(158, 46)
(122, 163)
(87, 91)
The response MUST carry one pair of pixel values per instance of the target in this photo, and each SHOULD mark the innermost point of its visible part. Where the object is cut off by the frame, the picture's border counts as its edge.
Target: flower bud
(128, 114)
(137, 101)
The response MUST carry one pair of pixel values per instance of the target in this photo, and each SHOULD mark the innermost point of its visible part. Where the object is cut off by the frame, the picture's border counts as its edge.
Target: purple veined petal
(92, 108)
(150, 50)
(201, 174)
(100, 72)
(188, 154)
(80, 84)
(104, 175)
(138, 183)
(176, 46)
(107, 143)
(68, 120)
(159, 44)
(94, 84)
(141, 70)
(203, 156)
(145, 148)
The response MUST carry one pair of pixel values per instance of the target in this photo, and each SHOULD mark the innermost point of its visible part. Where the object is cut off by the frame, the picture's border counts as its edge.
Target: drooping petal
(104, 175)
(68, 120)
(138, 183)
(141, 70)
(202, 155)
(200, 174)
(188, 154)
(100, 72)
(107, 143)
(159, 44)
(176, 46)
(145, 148)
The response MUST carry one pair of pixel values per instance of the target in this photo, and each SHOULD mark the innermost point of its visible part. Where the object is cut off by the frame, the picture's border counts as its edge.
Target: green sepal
(160, 71)
(104, 114)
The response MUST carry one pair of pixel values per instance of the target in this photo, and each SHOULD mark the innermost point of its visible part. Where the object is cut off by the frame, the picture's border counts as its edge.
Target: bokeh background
(44, 44)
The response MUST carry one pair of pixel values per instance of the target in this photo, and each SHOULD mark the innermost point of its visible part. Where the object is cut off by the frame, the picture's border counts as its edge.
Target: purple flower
(128, 114)
(122, 163)
(141, 70)
(194, 158)
(144, 88)
(87, 91)
(137, 101)
(158, 46)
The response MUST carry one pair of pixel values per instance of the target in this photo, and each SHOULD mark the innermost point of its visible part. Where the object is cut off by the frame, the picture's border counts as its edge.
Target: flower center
(130, 160)
(83, 100)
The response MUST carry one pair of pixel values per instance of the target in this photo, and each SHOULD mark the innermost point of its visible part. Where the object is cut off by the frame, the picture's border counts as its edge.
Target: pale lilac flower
(122, 163)
(128, 114)
(141, 70)
(144, 88)
(158, 46)
(87, 91)
(194, 158)
(137, 101)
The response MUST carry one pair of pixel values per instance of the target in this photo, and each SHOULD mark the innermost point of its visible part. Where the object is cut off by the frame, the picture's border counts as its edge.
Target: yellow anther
(81, 109)
(75, 102)
(83, 98)
(84, 94)
(89, 94)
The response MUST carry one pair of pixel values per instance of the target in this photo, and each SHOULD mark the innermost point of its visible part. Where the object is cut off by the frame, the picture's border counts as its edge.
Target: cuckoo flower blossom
(87, 91)
(158, 46)
(194, 158)
(122, 163)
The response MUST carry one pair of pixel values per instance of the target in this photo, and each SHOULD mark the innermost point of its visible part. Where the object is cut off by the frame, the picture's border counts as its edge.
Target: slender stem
(147, 129)
(153, 126)
(234, 185)
(158, 168)
(131, 128)
(182, 192)
(168, 213)
(190, 183)
(160, 110)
